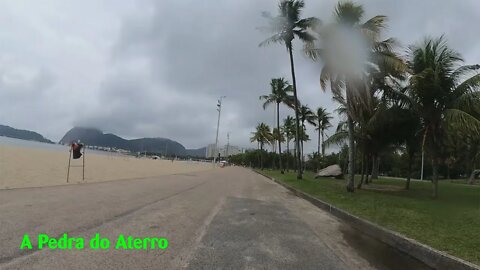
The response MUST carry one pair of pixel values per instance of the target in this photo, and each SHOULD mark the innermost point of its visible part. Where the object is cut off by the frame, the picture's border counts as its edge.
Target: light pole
(228, 144)
(219, 109)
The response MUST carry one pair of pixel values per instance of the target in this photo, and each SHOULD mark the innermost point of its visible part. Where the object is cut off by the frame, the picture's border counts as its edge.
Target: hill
(22, 134)
(163, 146)
(200, 152)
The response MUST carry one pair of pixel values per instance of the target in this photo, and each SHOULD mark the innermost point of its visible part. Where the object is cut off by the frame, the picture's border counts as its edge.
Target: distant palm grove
(412, 115)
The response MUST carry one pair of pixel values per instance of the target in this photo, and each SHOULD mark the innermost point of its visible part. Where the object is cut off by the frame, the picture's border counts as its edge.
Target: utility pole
(219, 109)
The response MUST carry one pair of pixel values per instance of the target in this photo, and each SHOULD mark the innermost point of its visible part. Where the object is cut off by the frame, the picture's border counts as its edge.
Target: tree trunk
(471, 180)
(359, 186)
(435, 178)
(279, 141)
(288, 154)
(261, 157)
(351, 155)
(303, 157)
(375, 166)
(295, 164)
(323, 143)
(297, 123)
(367, 167)
(319, 133)
(409, 174)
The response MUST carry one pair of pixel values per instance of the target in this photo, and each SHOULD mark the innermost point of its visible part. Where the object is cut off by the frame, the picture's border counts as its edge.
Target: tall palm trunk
(351, 156)
(351, 145)
(295, 157)
(367, 167)
(323, 142)
(359, 186)
(288, 154)
(261, 156)
(319, 133)
(279, 141)
(471, 180)
(303, 157)
(410, 161)
(301, 144)
(297, 123)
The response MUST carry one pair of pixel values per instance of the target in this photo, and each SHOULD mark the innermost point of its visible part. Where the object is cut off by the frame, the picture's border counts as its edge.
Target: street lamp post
(228, 144)
(219, 109)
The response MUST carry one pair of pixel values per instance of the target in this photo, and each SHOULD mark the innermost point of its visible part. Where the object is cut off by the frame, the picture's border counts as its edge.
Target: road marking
(185, 260)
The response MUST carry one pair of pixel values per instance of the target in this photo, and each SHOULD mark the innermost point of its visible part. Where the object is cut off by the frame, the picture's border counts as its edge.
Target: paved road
(228, 218)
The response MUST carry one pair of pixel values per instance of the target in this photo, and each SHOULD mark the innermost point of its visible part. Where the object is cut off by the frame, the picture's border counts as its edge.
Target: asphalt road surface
(229, 218)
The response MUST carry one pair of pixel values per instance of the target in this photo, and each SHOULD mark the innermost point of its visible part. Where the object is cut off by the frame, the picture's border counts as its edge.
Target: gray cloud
(156, 68)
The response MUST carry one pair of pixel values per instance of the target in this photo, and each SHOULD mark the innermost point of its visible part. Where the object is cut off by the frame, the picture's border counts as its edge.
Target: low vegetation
(428, 91)
(450, 223)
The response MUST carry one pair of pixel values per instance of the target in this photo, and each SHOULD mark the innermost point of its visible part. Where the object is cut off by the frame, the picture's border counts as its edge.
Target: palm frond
(310, 22)
(465, 70)
(277, 38)
(373, 26)
(304, 36)
(469, 103)
(338, 138)
(470, 85)
(349, 13)
(462, 121)
(324, 77)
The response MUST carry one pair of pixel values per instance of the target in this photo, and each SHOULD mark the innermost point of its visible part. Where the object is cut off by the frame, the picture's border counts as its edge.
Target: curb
(428, 255)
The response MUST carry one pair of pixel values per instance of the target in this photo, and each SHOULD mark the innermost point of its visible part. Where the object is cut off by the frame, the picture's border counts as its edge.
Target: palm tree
(349, 49)
(262, 136)
(303, 138)
(323, 122)
(305, 114)
(443, 94)
(280, 93)
(287, 26)
(278, 136)
(289, 131)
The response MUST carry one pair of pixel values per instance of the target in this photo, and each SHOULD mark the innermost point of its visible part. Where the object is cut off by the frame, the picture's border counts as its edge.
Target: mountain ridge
(22, 134)
(96, 137)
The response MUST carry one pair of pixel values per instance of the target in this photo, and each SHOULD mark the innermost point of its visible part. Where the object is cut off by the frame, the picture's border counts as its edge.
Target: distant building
(210, 151)
(230, 150)
(227, 150)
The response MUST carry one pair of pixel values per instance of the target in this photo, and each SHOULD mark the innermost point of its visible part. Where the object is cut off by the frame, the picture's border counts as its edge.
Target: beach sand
(25, 167)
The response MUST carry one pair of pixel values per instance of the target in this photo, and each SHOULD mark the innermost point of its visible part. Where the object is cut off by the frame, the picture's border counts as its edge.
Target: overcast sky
(148, 68)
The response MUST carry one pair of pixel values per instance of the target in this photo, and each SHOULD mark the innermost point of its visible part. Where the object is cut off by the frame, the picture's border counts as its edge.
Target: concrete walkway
(228, 218)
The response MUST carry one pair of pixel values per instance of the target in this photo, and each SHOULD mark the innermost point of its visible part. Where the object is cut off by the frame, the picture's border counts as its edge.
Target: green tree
(280, 93)
(444, 94)
(262, 135)
(305, 114)
(349, 49)
(286, 26)
(289, 132)
(322, 118)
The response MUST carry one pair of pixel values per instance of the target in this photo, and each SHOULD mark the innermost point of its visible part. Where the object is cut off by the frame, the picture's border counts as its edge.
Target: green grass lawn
(451, 223)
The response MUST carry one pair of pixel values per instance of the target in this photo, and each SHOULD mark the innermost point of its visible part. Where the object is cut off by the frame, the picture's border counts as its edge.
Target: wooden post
(83, 173)
(69, 158)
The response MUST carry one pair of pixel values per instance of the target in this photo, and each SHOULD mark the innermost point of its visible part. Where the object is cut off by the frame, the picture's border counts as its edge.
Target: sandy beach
(25, 167)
